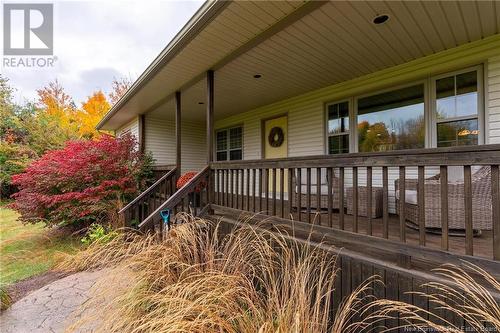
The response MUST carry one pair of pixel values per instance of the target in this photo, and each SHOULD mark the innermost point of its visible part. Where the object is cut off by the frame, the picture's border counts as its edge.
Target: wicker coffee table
(363, 201)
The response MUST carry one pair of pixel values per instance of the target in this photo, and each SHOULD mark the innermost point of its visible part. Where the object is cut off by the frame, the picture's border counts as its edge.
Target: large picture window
(456, 106)
(392, 120)
(229, 144)
(440, 111)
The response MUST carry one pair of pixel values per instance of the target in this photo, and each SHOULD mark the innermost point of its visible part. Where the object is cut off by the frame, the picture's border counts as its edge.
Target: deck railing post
(210, 134)
(178, 132)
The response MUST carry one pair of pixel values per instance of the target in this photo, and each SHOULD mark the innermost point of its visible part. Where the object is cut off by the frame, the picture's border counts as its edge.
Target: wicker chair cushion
(411, 196)
(456, 173)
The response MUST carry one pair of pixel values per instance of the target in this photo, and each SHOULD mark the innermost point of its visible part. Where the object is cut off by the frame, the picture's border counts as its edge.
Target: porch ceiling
(314, 47)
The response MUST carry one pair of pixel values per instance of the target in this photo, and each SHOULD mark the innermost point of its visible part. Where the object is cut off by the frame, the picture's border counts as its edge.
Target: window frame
(228, 149)
(430, 117)
(349, 133)
(434, 121)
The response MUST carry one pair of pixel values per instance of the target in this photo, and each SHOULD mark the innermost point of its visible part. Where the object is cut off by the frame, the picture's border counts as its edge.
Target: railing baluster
(274, 192)
(402, 201)
(165, 189)
(254, 184)
(369, 200)
(468, 210)
(290, 191)
(242, 191)
(298, 183)
(355, 199)
(385, 202)
(195, 203)
(248, 190)
(237, 183)
(329, 175)
(232, 187)
(261, 181)
(443, 175)
(217, 184)
(341, 198)
(282, 192)
(141, 210)
(266, 184)
(226, 192)
(308, 195)
(318, 193)
(495, 213)
(421, 205)
(137, 212)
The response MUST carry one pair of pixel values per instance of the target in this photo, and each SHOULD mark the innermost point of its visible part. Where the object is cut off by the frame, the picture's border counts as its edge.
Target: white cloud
(95, 41)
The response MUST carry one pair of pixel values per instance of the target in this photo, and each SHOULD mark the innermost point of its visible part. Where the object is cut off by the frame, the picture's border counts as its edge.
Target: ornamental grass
(201, 279)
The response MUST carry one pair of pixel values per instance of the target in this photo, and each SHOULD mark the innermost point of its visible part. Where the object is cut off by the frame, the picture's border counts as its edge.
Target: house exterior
(280, 104)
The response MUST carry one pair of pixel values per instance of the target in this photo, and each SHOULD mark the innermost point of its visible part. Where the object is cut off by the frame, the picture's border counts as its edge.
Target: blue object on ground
(165, 215)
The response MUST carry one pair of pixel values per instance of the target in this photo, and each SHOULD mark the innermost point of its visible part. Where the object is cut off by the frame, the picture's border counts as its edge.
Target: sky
(95, 41)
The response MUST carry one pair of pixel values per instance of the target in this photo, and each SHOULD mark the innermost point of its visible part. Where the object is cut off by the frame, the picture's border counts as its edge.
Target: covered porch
(328, 74)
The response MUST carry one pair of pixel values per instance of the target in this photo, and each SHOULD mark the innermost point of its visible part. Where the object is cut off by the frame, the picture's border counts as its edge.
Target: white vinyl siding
(493, 100)
(160, 141)
(159, 136)
(132, 127)
(306, 128)
(193, 146)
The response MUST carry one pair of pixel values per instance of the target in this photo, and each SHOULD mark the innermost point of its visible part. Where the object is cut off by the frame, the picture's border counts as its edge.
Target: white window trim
(228, 149)
(480, 104)
(430, 117)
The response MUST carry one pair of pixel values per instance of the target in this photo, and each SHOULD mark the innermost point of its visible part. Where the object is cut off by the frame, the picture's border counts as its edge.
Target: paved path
(52, 308)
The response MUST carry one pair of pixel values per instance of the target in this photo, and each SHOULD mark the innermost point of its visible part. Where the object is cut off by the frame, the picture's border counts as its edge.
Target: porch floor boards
(482, 245)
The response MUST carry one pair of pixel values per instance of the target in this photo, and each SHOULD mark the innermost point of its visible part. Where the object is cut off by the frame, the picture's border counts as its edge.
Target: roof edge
(204, 15)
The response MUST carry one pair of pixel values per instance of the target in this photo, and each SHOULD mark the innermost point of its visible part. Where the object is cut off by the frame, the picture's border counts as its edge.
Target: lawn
(29, 250)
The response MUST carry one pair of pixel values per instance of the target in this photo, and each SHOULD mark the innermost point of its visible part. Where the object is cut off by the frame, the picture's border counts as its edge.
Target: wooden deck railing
(191, 198)
(404, 197)
(147, 202)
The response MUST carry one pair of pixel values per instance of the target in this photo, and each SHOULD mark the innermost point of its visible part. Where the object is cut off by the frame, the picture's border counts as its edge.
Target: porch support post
(210, 115)
(210, 137)
(142, 133)
(178, 132)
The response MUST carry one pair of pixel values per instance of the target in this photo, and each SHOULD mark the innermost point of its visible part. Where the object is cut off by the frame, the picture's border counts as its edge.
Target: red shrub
(185, 178)
(86, 181)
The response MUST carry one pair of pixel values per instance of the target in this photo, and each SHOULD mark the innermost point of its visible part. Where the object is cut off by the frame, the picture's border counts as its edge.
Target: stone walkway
(51, 309)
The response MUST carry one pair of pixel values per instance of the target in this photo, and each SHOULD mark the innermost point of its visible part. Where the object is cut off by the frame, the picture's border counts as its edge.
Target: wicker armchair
(481, 201)
(323, 204)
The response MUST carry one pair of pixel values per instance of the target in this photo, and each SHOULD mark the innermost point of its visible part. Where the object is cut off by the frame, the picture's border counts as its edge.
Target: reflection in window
(338, 128)
(457, 133)
(231, 149)
(457, 110)
(392, 120)
(456, 96)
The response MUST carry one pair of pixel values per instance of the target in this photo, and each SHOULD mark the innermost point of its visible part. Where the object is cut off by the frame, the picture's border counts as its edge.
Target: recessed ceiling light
(257, 76)
(201, 103)
(380, 19)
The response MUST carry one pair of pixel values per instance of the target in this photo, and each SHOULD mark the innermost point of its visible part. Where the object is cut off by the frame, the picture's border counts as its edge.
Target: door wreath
(276, 137)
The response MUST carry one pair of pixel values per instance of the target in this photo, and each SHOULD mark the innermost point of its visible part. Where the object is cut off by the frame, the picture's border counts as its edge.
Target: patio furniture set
(481, 199)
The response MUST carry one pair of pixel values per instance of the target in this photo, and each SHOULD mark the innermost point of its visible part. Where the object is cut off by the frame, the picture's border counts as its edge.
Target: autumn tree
(15, 153)
(56, 113)
(119, 88)
(93, 109)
